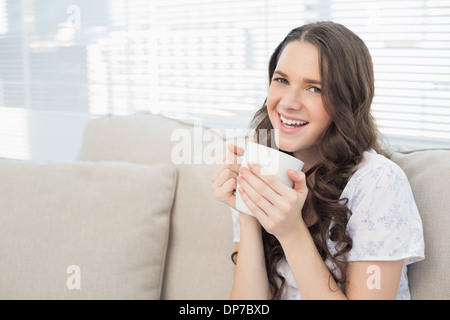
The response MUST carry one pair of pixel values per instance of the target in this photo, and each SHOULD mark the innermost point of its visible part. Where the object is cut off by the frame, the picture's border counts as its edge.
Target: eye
(281, 80)
(315, 89)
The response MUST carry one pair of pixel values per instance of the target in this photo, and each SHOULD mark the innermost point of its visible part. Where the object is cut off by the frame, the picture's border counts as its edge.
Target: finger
(229, 187)
(299, 179)
(255, 209)
(259, 199)
(235, 149)
(229, 162)
(226, 193)
(269, 179)
(265, 184)
(224, 176)
(216, 173)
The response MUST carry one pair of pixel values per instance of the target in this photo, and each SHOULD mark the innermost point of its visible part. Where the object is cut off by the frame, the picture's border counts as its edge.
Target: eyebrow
(307, 80)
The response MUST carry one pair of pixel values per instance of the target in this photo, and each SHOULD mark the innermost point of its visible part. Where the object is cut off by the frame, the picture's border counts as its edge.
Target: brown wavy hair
(347, 91)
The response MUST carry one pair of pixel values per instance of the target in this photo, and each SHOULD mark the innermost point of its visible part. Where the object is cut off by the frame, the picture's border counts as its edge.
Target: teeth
(292, 122)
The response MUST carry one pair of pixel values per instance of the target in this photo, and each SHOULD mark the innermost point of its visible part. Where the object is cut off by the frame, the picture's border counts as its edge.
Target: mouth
(290, 123)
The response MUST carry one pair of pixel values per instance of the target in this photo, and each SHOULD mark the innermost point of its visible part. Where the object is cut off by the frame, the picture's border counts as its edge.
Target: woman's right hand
(224, 178)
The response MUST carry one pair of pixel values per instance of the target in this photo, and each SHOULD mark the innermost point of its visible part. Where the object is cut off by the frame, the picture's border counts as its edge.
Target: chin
(286, 146)
(287, 149)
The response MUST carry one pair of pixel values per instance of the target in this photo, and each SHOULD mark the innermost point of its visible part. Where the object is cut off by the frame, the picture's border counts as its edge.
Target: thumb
(235, 149)
(299, 179)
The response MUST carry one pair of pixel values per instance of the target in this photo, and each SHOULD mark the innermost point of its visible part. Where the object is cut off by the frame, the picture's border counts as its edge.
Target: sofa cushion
(142, 138)
(83, 230)
(198, 262)
(428, 172)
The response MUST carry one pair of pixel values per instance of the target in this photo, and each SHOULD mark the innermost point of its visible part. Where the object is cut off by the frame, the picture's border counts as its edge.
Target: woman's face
(294, 102)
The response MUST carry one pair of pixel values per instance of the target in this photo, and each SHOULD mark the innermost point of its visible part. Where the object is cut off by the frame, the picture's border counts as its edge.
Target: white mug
(274, 161)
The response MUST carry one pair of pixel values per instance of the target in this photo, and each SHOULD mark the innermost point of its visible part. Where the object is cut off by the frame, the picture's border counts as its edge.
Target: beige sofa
(134, 217)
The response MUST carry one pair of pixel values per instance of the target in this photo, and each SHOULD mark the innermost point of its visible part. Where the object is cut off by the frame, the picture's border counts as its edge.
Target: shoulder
(376, 165)
(377, 174)
(385, 223)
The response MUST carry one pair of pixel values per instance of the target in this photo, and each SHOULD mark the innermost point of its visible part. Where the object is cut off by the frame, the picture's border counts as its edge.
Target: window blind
(410, 46)
(213, 55)
(207, 59)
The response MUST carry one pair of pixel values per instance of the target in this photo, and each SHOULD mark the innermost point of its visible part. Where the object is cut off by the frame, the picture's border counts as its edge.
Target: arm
(310, 272)
(284, 220)
(366, 279)
(250, 275)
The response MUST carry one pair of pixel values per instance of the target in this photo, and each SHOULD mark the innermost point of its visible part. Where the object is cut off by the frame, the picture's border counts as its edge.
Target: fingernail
(251, 165)
(293, 172)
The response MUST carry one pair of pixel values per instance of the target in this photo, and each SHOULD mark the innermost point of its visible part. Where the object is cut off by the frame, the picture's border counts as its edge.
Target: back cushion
(428, 172)
(84, 230)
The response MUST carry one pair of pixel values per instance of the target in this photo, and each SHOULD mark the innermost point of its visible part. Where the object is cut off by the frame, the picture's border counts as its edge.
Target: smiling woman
(340, 126)
(319, 239)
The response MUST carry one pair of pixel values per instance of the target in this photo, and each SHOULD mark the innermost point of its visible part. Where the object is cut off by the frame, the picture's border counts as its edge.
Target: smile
(291, 123)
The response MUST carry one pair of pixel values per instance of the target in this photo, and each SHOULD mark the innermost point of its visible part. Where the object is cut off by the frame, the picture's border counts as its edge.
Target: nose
(292, 99)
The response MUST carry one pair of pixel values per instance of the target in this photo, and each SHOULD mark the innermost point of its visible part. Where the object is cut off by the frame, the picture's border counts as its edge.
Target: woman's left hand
(277, 206)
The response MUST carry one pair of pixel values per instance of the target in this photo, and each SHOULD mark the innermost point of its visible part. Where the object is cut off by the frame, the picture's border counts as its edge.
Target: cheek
(272, 102)
(326, 120)
(319, 114)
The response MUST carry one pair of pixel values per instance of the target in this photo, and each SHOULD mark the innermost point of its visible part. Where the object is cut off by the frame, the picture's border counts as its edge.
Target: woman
(349, 227)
